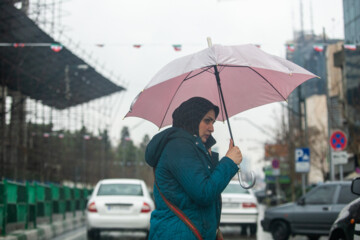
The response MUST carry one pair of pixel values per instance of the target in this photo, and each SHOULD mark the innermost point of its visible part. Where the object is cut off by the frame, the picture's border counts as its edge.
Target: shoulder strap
(179, 213)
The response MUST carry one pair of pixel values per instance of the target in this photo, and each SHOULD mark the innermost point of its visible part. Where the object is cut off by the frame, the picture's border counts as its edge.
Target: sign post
(276, 172)
(338, 142)
(302, 163)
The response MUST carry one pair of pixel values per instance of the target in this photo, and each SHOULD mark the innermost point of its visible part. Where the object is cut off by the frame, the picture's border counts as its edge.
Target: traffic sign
(338, 140)
(276, 167)
(339, 157)
(275, 163)
(302, 160)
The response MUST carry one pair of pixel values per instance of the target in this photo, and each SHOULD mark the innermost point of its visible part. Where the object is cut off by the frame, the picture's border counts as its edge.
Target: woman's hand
(234, 153)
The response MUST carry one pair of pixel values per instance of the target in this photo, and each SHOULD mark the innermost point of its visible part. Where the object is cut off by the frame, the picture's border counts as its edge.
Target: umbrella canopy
(249, 78)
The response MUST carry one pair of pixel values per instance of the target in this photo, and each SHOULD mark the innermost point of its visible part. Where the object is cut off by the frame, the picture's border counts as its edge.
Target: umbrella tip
(209, 42)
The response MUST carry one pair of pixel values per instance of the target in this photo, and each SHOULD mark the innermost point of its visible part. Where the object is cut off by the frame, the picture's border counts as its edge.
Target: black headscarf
(190, 113)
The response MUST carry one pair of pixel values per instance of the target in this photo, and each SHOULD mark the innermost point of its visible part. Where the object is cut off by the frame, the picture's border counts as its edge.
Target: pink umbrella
(235, 78)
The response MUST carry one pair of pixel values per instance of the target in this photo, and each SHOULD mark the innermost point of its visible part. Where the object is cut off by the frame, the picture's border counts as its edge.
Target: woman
(188, 174)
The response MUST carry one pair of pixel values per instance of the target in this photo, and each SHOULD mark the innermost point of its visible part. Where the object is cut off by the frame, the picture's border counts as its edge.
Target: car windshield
(346, 195)
(235, 188)
(321, 195)
(120, 189)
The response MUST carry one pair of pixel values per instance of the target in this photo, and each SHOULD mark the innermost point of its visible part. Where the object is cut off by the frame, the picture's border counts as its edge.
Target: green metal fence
(27, 202)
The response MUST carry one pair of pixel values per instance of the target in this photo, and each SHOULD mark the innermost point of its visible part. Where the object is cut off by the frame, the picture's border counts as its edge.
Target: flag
(137, 45)
(318, 47)
(16, 45)
(56, 47)
(258, 45)
(290, 47)
(100, 45)
(177, 47)
(351, 47)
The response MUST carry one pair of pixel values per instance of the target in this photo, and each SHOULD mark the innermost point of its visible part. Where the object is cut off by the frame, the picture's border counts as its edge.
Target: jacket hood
(157, 144)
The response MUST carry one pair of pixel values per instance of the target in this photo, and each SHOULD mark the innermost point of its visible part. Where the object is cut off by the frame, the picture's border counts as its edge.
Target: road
(230, 233)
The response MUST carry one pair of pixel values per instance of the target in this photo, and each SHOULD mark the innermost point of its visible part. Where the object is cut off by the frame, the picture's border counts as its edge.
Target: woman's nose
(211, 128)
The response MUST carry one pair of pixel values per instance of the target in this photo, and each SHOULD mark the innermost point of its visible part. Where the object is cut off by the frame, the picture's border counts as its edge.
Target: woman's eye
(208, 121)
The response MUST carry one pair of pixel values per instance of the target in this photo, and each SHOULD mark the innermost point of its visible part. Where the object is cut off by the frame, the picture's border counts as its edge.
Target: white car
(118, 204)
(239, 207)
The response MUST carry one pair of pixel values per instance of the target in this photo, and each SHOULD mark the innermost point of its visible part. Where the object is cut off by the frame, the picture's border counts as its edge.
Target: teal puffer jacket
(189, 178)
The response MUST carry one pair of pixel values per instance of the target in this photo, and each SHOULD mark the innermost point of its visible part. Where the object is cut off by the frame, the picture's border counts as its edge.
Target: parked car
(312, 215)
(239, 207)
(118, 204)
(347, 225)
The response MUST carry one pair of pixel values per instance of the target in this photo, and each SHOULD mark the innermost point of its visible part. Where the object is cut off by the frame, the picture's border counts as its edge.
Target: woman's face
(206, 126)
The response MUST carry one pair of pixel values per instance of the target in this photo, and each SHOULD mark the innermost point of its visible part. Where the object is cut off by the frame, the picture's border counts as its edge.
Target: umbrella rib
(185, 79)
(268, 83)
(167, 109)
(259, 75)
(204, 70)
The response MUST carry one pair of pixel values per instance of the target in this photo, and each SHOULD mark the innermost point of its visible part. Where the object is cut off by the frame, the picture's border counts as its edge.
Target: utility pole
(301, 19)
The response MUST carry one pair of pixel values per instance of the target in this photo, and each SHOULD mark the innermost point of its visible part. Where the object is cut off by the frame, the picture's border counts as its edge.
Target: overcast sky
(158, 24)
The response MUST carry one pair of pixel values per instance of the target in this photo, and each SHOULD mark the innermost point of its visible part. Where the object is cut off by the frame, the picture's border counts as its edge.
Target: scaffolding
(50, 101)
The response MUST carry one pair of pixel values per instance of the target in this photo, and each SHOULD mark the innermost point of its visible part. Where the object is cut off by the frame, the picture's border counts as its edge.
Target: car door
(315, 213)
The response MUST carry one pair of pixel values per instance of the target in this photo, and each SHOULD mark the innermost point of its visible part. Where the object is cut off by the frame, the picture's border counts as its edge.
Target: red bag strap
(179, 213)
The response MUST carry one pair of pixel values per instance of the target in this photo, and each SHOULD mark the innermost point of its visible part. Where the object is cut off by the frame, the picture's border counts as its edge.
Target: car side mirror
(355, 186)
(301, 201)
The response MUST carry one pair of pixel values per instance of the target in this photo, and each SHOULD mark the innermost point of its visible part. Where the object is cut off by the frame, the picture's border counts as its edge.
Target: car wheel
(280, 230)
(243, 229)
(337, 235)
(93, 234)
(313, 237)
(253, 229)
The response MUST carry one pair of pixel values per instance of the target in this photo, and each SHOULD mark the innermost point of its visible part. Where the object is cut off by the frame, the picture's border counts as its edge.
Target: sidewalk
(47, 231)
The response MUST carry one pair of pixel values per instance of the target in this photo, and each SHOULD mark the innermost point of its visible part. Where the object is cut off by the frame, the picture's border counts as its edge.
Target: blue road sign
(302, 160)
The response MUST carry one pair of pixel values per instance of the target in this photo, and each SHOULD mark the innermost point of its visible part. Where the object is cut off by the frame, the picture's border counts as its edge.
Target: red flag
(351, 47)
(291, 47)
(19, 45)
(137, 45)
(177, 47)
(56, 47)
(318, 47)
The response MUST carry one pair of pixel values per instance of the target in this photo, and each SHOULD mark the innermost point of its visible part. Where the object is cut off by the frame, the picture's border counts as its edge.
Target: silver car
(118, 204)
(312, 215)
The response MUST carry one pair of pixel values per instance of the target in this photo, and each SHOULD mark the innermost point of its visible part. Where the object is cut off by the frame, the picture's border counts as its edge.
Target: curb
(47, 231)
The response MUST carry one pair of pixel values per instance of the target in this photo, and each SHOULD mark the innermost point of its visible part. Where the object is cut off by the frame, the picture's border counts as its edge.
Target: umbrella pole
(253, 178)
(222, 99)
